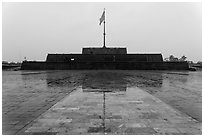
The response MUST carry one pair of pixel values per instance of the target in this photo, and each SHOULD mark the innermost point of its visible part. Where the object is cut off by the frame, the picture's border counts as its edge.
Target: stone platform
(98, 111)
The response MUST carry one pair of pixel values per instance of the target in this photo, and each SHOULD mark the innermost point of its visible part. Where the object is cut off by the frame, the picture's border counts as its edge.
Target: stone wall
(104, 51)
(105, 65)
(104, 58)
(33, 65)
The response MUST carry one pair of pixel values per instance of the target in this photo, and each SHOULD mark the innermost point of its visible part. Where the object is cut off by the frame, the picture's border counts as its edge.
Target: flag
(102, 18)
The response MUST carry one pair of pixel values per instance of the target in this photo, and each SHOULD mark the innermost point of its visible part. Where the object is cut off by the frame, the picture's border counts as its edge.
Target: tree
(172, 58)
(183, 58)
(4, 62)
(199, 62)
(166, 59)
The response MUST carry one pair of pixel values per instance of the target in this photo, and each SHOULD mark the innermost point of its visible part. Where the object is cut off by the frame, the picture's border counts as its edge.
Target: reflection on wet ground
(28, 94)
(104, 81)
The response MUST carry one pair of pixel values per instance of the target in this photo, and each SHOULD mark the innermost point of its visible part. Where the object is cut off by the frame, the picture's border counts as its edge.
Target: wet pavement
(101, 102)
(102, 112)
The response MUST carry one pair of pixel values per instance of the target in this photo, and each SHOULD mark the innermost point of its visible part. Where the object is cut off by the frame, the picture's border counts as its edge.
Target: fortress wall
(104, 51)
(104, 57)
(175, 65)
(105, 65)
(33, 65)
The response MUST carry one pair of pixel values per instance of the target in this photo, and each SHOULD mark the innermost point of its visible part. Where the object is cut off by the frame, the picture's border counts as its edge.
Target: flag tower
(102, 19)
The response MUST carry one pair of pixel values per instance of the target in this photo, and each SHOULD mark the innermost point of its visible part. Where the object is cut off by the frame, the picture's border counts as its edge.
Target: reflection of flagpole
(104, 112)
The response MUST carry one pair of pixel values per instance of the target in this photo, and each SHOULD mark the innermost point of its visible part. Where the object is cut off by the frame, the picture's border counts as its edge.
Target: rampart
(104, 58)
(27, 65)
(104, 51)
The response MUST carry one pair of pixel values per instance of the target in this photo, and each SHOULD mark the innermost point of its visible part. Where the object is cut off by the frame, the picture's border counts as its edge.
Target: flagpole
(104, 46)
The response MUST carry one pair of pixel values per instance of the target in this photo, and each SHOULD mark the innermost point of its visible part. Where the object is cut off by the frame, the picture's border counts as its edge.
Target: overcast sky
(33, 30)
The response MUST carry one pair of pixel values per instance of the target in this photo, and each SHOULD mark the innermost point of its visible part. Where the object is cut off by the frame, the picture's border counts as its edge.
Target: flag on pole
(102, 18)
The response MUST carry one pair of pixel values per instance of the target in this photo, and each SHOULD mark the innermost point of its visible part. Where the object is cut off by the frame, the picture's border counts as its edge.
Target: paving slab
(133, 111)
